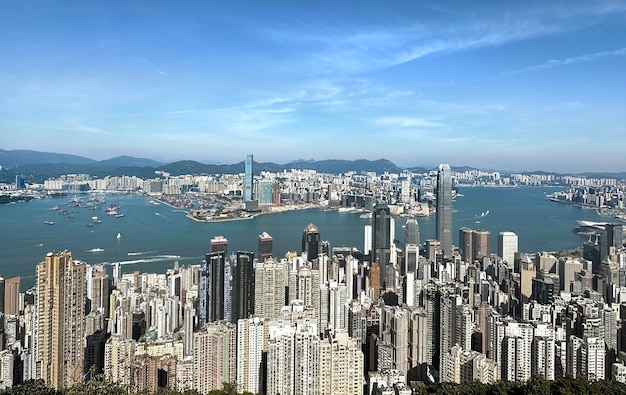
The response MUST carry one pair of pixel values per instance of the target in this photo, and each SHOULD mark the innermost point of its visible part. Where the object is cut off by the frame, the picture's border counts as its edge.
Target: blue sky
(512, 85)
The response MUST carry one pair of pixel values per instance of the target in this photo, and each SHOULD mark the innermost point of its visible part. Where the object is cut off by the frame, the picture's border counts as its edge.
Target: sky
(509, 85)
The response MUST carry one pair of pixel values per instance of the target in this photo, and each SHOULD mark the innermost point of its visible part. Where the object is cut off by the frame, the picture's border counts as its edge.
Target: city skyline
(510, 86)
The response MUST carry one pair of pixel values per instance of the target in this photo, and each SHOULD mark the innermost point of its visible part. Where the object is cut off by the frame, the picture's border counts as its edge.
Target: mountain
(128, 161)
(14, 158)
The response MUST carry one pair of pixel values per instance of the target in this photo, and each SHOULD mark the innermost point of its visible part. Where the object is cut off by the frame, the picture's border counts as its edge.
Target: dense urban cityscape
(324, 319)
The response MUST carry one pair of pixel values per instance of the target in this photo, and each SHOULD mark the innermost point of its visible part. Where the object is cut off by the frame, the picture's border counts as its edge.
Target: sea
(152, 238)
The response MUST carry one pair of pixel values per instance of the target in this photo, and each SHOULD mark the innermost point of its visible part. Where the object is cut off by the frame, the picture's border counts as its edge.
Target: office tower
(367, 239)
(311, 242)
(265, 192)
(293, 360)
(381, 241)
(219, 243)
(215, 357)
(266, 243)
(341, 365)
(433, 248)
(11, 295)
(613, 236)
(243, 286)
(481, 246)
(507, 247)
(247, 193)
(466, 244)
(60, 304)
(411, 259)
(251, 343)
(444, 209)
(411, 232)
(269, 289)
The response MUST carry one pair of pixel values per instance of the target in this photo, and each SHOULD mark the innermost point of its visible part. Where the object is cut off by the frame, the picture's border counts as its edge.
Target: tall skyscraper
(481, 244)
(212, 287)
(243, 286)
(507, 247)
(12, 296)
(60, 306)
(411, 232)
(613, 236)
(247, 193)
(444, 209)
(466, 244)
(311, 242)
(265, 246)
(381, 242)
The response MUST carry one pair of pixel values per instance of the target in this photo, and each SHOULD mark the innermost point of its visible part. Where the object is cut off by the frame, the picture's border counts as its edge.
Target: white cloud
(570, 61)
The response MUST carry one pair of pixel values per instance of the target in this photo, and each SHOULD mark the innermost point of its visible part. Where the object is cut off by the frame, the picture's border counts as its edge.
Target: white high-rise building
(293, 358)
(507, 247)
(119, 353)
(544, 351)
(367, 239)
(251, 343)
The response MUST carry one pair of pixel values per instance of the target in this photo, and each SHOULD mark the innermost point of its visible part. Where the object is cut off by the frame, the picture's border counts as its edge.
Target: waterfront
(153, 237)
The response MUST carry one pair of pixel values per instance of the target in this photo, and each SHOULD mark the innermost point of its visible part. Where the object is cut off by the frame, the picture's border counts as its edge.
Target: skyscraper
(215, 261)
(265, 246)
(60, 306)
(247, 193)
(411, 232)
(481, 245)
(311, 242)
(444, 209)
(507, 247)
(381, 242)
(243, 286)
(12, 296)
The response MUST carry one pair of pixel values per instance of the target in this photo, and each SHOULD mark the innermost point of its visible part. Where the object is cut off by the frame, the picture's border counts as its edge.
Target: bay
(153, 237)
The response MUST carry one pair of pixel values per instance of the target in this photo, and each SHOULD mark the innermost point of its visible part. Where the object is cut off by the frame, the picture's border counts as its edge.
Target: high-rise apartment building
(247, 193)
(507, 247)
(269, 288)
(243, 286)
(444, 209)
(341, 365)
(215, 357)
(252, 335)
(60, 305)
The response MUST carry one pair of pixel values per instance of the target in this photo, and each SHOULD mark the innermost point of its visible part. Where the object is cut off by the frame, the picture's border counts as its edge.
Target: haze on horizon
(502, 85)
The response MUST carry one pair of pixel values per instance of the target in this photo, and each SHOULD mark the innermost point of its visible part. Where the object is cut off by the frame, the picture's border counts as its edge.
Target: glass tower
(444, 209)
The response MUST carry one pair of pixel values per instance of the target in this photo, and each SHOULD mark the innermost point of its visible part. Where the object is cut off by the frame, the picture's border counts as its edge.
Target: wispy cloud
(406, 122)
(570, 61)
(163, 73)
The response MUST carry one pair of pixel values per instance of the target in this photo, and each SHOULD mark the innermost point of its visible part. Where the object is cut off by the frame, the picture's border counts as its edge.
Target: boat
(48, 222)
(119, 215)
(97, 221)
(112, 212)
(96, 250)
(119, 236)
(366, 216)
(89, 225)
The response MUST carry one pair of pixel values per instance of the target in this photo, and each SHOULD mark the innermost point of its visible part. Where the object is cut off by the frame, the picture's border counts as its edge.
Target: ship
(48, 222)
(119, 236)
